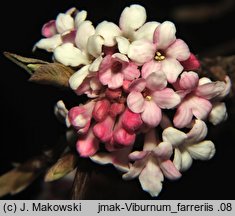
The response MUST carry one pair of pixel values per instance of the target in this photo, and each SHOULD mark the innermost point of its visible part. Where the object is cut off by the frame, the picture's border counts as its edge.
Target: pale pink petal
(164, 35)
(84, 31)
(87, 145)
(198, 132)
(84, 87)
(131, 72)
(94, 45)
(49, 29)
(151, 178)
(135, 102)
(227, 89)
(202, 151)
(132, 18)
(135, 170)
(116, 81)
(210, 90)
(137, 155)
(200, 107)
(152, 114)
(169, 170)
(80, 17)
(105, 76)
(156, 81)
(186, 160)
(166, 98)
(163, 151)
(178, 50)
(183, 115)
(192, 63)
(177, 159)
(64, 22)
(78, 77)
(69, 55)
(141, 51)
(137, 85)
(218, 113)
(173, 136)
(123, 44)
(108, 31)
(188, 80)
(146, 31)
(172, 68)
(150, 67)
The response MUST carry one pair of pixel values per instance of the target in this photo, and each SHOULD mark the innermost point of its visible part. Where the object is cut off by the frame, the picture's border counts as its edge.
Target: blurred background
(27, 120)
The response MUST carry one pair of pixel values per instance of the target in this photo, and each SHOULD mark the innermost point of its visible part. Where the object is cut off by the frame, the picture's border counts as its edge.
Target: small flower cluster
(135, 74)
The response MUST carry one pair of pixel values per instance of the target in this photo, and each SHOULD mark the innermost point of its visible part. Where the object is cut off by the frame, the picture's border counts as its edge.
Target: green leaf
(62, 167)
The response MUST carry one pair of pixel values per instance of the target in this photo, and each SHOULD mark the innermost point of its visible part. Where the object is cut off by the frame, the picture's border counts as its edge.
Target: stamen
(159, 56)
(148, 98)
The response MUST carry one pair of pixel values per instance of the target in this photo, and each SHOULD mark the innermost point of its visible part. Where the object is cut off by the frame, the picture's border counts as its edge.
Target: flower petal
(202, 151)
(152, 114)
(210, 90)
(151, 178)
(150, 67)
(69, 55)
(198, 132)
(94, 45)
(177, 159)
(200, 107)
(146, 31)
(64, 22)
(178, 50)
(218, 113)
(49, 44)
(156, 81)
(123, 44)
(188, 80)
(116, 81)
(141, 51)
(49, 29)
(80, 17)
(228, 85)
(173, 136)
(137, 155)
(169, 170)
(164, 35)
(78, 77)
(166, 98)
(95, 65)
(183, 115)
(132, 18)
(135, 102)
(163, 151)
(108, 31)
(131, 72)
(135, 170)
(137, 85)
(84, 31)
(172, 68)
(192, 63)
(186, 162)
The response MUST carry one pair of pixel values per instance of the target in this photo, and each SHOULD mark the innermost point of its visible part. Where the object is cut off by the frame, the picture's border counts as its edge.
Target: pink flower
(196, 95)
(148, 96)
(114, 69)
(152, 164)
(164, 53)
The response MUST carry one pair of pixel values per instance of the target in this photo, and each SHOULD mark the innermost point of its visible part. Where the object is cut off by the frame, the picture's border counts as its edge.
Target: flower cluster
(135, 74)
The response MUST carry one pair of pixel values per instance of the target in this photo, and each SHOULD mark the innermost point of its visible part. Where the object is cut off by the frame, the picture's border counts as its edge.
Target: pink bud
(87, 145)
(103, 130)
(49, 29)
(131, 121)
(101, 110)
(116, 109)
(113, 93)
(192, 63)
(122, 137)
(188, 80)
(126, 85)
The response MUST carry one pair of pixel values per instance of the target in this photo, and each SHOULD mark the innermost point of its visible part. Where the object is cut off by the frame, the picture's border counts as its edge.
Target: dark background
(27, 120)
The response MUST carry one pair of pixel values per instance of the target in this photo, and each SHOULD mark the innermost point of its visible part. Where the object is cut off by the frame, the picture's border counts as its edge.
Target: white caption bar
(115, 207)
